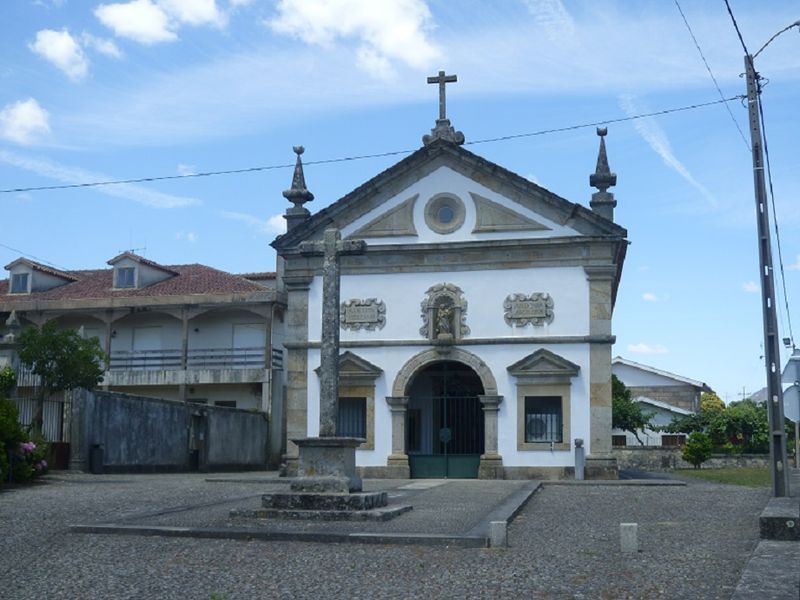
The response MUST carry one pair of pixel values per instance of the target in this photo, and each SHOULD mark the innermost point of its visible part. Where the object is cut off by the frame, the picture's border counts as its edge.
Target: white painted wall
(497, 358)
(445, 179)
(635, 377)
(485, 292)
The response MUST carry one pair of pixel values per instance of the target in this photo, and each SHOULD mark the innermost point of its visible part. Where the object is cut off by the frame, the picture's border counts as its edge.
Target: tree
(62, 359)
(626, 413)
(697, 449)
(710, 403)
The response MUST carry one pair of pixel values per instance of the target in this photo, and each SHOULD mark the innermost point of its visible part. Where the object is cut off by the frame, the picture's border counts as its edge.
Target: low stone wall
(655, 458)
(139, 434)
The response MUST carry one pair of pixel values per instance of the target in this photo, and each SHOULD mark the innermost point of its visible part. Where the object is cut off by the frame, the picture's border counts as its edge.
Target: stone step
(377, 514)
(312, 501)
(781, 520)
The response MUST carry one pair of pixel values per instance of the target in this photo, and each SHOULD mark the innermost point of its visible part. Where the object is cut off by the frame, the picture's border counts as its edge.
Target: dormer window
(19, 283)
(126, 277)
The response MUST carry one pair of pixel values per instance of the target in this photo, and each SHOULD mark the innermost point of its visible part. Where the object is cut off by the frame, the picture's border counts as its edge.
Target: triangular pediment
(491, 216)
(364, 209)
(398, 221)
(355, 368)
(544, 364)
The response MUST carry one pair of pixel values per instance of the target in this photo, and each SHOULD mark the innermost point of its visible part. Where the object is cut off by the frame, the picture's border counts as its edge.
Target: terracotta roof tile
(97, 283)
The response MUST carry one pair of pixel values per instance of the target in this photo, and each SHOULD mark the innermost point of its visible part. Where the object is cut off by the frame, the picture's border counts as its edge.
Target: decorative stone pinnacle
(602, 178)
(298, 194)
(443, 130)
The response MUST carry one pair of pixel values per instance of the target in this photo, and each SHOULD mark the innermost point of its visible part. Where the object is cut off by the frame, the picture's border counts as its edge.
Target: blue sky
(116, 90)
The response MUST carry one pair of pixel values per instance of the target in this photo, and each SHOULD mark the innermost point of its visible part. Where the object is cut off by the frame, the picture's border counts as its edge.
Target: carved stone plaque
(521, 309)
(369, 314)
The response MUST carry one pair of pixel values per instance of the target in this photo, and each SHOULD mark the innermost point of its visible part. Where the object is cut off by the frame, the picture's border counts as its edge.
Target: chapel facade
(475, 330)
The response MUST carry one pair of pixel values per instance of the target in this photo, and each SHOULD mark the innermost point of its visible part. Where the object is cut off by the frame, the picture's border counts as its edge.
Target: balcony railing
(200, 358)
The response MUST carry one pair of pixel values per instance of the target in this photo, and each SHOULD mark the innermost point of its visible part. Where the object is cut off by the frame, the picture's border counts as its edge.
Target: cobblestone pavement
(694, 543)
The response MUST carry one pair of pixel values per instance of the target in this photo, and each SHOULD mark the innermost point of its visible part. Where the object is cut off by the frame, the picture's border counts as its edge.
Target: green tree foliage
(739, 427)
(626, 413)
(62, 359)
(711, 403)
(697, 449)
(8, 379)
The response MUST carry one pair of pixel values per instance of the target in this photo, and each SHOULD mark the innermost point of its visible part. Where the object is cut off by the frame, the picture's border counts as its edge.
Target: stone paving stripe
(618, 482)
(231, 533)
(506, 510)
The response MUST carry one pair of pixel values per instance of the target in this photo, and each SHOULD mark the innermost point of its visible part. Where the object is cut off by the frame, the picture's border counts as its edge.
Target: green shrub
(8, 379)
(27, 457)
(697, 449)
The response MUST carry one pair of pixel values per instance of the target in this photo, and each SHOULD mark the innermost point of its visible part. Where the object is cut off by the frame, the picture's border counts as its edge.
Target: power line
(736, 27)
(365, 156)
(774, 213)
(26, 255)
(714, 79)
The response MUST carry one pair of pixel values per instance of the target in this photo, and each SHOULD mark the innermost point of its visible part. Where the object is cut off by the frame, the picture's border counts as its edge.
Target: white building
(181, 332)
(475, 330)
(665, 395)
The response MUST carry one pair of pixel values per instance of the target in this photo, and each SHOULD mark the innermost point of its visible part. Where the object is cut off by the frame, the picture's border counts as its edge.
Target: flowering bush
(21, 458)
(29, 461)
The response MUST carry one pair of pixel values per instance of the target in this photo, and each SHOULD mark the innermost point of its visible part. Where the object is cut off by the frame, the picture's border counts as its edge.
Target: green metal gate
(454, 425)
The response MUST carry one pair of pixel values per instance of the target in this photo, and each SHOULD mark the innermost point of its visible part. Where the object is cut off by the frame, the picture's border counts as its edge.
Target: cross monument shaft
(331, 248)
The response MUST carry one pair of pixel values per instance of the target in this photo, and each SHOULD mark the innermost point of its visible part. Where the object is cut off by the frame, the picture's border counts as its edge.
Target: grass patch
(747, 476)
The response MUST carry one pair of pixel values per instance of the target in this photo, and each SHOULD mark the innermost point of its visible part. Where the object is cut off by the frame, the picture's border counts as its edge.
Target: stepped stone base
(376, 514)
(310, 501)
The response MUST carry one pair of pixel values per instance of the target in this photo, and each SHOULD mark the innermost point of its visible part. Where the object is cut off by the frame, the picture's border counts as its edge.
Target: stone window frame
(544, 373)
(357, 379)
(442, 200)
(533, 390)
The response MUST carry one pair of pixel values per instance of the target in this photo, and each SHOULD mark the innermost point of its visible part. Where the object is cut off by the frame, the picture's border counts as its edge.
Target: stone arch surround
(419, 361)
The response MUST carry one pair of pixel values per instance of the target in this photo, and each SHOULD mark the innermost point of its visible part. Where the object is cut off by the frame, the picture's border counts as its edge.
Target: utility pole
(777, 437)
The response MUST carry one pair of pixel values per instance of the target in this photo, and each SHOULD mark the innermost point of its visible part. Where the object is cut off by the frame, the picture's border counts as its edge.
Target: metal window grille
(352, 418)
(543, 419)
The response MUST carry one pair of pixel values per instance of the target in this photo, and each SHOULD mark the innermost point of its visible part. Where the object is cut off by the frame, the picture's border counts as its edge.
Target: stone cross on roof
(331, 248)
(443, 129)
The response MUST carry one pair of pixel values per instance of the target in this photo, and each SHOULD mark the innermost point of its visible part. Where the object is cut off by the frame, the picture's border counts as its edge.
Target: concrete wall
(147, 434)
(664, 459)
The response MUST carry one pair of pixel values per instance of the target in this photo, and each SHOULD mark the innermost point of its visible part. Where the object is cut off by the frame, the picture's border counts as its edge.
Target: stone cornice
(543, 341)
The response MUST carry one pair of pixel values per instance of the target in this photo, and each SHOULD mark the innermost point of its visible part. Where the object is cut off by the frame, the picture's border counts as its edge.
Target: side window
(125, 277)
(19, 283)
(543, 419)
(352, 418)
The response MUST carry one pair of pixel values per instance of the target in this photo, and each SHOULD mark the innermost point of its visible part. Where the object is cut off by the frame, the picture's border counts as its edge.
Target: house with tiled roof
(181, 332)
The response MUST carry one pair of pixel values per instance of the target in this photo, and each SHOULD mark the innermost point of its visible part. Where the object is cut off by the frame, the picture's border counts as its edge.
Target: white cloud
(236, 3)
(652, 133)
(751, 287)
(186, 169)
(72, 175)
(61, 49)
(24, 122)
(189, 236)
(193, 12)
(101, 45)
(277, 224)
(273, 226)
(796, 265)
(649, 297)
(642, 348)
(155, 21)
(386, 31)
(138, 20)
(553, 16)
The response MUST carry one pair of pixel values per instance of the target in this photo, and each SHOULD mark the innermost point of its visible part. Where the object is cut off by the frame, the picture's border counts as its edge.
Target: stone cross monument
(331, 248)
(443, 130)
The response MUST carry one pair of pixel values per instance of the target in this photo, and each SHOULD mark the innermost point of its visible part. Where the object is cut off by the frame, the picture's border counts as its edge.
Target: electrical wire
(714, 79)
(774, 211)
(26, 255)
(365, 156)
(736, 27)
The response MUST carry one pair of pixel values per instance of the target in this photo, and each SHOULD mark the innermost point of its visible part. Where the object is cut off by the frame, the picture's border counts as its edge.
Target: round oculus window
(445, 213)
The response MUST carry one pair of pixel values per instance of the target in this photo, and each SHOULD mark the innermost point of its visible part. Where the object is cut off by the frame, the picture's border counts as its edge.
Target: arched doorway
(445, 421)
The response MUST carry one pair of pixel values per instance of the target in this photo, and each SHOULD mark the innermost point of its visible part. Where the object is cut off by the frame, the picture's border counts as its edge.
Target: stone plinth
(309, 501)
(327, 465)
(601, 467)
